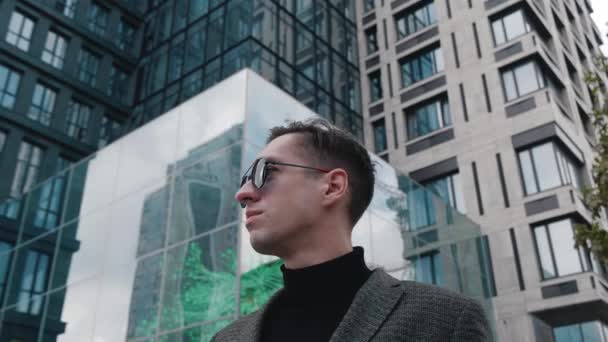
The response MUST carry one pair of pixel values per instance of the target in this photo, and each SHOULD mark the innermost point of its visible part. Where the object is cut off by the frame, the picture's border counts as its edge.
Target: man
(303, 196)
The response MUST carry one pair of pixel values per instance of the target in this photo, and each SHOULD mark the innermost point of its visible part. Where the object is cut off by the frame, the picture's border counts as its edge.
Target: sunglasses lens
(259, 173)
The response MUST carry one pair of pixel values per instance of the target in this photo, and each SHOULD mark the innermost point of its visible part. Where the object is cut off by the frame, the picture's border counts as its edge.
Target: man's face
(279, 215)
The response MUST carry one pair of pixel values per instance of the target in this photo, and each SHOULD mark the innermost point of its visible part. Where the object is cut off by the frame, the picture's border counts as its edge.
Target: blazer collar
(369, 309)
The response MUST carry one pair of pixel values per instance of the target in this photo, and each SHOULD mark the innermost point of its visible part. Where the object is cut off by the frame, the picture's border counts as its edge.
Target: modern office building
(151, 245)
(484, 101)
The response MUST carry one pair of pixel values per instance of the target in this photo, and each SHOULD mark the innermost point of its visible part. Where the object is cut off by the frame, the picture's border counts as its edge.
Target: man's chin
(262, 243)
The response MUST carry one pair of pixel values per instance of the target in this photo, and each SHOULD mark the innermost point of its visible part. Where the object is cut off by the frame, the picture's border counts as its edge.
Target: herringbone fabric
(388, 310)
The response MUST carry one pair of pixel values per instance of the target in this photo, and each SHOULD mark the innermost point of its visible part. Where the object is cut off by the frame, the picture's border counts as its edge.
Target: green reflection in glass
(258, 285)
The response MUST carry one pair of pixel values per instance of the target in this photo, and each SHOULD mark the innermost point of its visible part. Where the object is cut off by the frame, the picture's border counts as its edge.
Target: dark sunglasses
(259, 171)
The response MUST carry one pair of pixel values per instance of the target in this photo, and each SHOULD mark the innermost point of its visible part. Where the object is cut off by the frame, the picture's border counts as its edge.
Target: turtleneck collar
(344, 274)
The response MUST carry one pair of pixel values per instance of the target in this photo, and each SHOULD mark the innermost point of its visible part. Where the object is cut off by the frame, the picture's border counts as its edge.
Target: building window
(522, 79)
(371, 40)
(368, 5)
(379, 131)
(20, 31)
(109, 130)
(33, 283)
(26, 175)
(78, 120)
(54, 49)
(51, 198)
(43, 103)
(118, 85)
(98, 19)
(546, 166)
(428, 269)
(88, 64)
(375, 86)
(67, 7)
(126, 35)
(428, 117)
(449, 188)
(411, 21)
(420, 208)
(2, 142)
(9, 84)
(582, 332)
(5, 250)
(556, 252)
(421, 66)
(510, 27)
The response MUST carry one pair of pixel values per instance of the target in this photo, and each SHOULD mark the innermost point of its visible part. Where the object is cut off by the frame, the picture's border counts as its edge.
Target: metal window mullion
(534, 172)
(550, 242)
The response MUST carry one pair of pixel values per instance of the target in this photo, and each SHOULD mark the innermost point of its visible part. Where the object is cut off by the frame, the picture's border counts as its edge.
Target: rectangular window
(413, 20)
(375, 86)
(109, 130)
(522, 79)
(66, 7)
(379, 131)
(371, 39)
(581, 332)
(195, 45)
(88, 64)
(421, 66)
(98, 19)
(26, 170)
(78, 120)
(421, 208)
(428, 117)
(509, 27)
(33, 283)
(5, 263)
(51, 198)
(20, 31)
(43, 103)
(118, 86)
(54, 49)
(556, 253)
(126, 35)
(9, 84)
(547, 166)
(428, 269)
(368, 5)
(449, 189)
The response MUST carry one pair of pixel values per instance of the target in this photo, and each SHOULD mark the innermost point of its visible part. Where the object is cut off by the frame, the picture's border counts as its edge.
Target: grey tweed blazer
(387, 310)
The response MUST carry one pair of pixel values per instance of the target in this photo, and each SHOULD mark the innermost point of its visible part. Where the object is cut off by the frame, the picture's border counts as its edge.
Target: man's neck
(313, 256)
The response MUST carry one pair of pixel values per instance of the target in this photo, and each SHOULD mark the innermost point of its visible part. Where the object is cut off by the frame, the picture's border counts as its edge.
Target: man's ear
(336, 186)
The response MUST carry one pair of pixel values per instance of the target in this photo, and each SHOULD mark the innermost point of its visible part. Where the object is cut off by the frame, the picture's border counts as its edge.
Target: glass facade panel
(54, 49)
(20, 29)
(5, 253)
(9, 85)
(33, 283)
(581, 332)
(98, 18)
(88, 65)
(375, 86)
(126, 35)
(43, 104)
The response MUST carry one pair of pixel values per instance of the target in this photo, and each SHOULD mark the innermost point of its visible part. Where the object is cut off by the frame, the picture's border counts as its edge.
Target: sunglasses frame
(254, 175)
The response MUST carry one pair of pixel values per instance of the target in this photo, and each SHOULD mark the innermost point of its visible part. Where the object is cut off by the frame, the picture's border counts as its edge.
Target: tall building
(484, 102)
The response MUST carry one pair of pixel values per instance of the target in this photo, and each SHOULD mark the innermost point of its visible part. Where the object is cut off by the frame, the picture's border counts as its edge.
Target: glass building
(149, 245)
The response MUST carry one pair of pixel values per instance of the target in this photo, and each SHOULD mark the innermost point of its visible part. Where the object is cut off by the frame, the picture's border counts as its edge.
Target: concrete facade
(487, 132)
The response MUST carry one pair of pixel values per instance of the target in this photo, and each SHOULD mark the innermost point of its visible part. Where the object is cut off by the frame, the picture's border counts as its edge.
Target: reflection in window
(581, 332)
(78, 120)
(546, 166)
(43, 103)
(67, 7)
(98, 19)
(54, 49)
(522, 79)
(20, 31)
(371, 40)
(379, 131)
(510, 27)
(126, 35)
(51, 198)
(421, 211)
(195, 45)
(26, 174)
(205, 203)
(428, 269)
(33, 283)
(9, 84)
(421, 66)
(88, 64)
(449, 189)
(118, 85)
(427, 118)
(109, 131)
(413, 20)
(5, 250)
(368, 5)
(375, 86)
(556, 252)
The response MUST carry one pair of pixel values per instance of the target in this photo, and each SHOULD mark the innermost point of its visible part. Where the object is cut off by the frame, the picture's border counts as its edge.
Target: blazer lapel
(252, 331)
(370, 308)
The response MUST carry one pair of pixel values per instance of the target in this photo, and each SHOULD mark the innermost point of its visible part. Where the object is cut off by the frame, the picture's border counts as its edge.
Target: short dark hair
(335, 148)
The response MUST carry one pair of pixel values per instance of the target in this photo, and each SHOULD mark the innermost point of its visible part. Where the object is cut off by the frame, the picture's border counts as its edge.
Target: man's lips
(252, 213)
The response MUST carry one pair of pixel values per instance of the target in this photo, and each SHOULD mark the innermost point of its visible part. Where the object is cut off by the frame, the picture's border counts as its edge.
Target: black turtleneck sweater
(315, 299)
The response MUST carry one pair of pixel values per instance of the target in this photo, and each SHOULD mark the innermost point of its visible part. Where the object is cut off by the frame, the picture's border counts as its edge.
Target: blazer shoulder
(235, 329)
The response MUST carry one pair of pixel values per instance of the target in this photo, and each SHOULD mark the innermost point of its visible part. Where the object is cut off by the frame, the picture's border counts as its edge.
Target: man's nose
(247, 193)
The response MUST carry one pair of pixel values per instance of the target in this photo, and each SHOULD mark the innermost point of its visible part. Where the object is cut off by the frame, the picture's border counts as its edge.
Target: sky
(600, 16)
